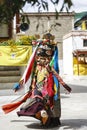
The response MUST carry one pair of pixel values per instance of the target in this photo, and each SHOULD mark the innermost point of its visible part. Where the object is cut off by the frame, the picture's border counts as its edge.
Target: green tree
(8, 8)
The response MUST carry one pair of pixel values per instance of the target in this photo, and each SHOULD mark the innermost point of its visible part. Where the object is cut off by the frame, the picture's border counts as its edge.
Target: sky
(78, 6)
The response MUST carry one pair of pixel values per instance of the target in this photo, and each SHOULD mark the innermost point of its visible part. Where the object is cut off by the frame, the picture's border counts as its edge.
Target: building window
(85, 43)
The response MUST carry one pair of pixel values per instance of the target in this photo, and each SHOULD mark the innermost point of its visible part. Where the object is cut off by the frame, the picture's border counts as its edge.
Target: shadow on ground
(75, 89)
(66, 124)
(74, 123)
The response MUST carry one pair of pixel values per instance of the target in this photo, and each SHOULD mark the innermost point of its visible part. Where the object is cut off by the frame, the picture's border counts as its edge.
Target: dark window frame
(84, 42)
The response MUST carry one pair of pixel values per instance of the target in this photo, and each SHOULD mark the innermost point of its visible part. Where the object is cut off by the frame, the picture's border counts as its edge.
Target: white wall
(77, 42)
(67, 56)
(71, 42)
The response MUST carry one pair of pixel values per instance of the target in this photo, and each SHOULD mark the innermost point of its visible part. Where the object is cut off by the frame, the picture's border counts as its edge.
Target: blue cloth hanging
(56, 67)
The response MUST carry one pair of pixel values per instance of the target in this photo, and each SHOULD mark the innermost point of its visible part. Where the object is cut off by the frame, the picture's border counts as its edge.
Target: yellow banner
(15, 55)
(80, 68)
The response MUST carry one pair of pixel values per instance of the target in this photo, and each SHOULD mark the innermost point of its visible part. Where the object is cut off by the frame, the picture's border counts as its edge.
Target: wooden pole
(77, 65)
(17, 23)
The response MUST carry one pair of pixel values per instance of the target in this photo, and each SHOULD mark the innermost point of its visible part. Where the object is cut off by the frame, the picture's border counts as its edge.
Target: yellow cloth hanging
(83, 25)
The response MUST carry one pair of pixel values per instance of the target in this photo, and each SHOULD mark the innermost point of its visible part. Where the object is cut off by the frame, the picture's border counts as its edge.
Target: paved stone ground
(73, 114)
(73, 109)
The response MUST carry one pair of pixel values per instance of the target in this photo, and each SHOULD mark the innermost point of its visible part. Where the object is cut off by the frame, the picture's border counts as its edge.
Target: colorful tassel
(27, 72)
(12, 106)
(54, 63)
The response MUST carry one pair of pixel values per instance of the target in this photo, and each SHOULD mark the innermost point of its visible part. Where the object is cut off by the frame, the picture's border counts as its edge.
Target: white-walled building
(75, 53)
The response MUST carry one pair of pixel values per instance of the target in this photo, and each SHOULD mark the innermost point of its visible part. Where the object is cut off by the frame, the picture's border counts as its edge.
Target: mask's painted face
(44, 54)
